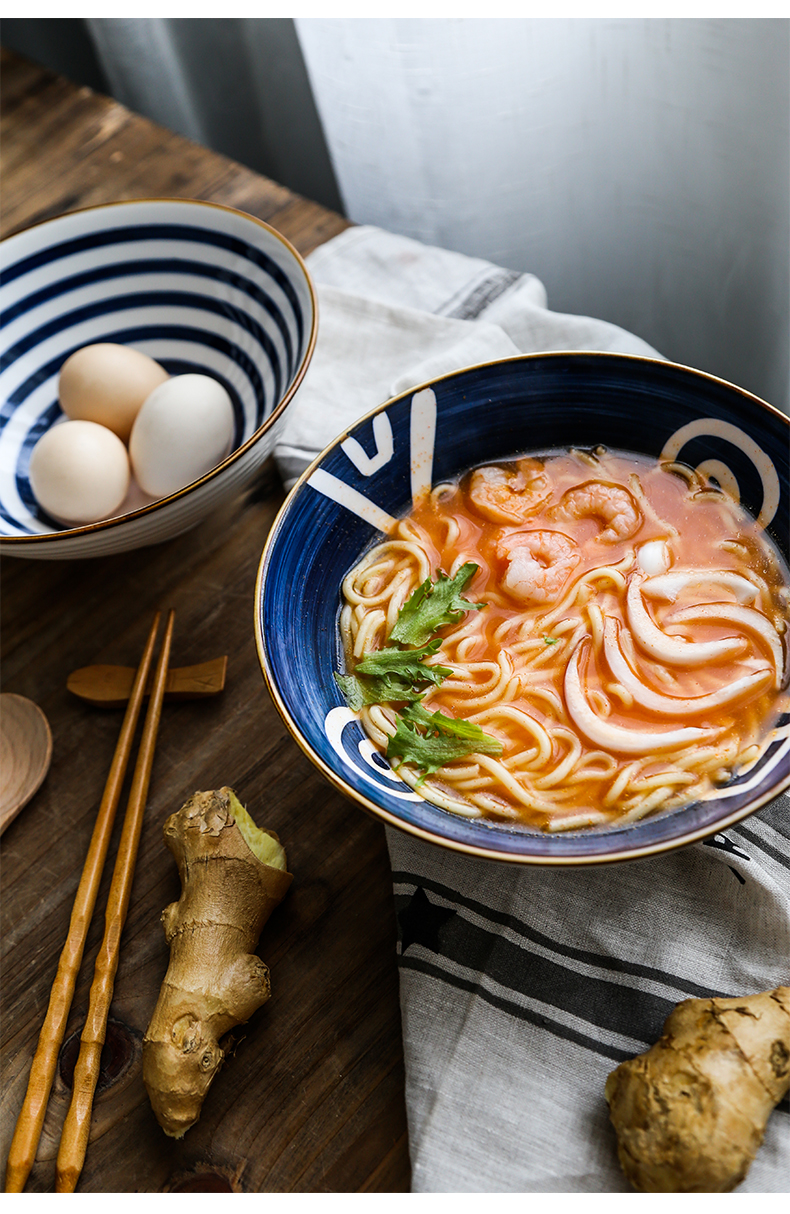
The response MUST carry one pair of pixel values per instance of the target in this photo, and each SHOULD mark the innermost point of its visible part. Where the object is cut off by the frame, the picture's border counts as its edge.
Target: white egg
(79, 472)
(107, 383)
(183, 430)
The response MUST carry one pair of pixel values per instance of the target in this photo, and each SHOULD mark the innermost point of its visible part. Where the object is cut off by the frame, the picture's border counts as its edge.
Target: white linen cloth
(522, 988)
(394, 313)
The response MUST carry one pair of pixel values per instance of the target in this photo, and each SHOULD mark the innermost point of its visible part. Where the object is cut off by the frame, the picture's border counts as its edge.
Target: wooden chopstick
(42, 1072)
(76, 1128)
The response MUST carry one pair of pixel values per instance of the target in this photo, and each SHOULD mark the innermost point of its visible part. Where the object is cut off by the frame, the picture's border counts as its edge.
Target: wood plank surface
(312, 1099)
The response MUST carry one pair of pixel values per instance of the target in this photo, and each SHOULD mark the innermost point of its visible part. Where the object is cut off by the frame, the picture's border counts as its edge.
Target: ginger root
(233, 875)
(690, 1114)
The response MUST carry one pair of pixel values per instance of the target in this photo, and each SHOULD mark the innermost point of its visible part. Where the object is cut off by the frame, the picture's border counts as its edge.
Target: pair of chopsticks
(74, 1137)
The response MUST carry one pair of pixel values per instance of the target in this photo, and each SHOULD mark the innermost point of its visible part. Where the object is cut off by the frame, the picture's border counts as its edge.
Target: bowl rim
(48, 537)
(386, 816)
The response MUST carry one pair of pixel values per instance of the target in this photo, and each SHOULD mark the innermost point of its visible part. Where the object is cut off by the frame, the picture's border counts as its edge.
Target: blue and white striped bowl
(200, 288)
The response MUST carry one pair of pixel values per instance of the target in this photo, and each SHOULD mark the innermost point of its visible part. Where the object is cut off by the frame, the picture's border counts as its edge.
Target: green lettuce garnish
(401, 675)
(405, 663)
(430, 740)
(390, 675)
(433, 605)
(384, 689)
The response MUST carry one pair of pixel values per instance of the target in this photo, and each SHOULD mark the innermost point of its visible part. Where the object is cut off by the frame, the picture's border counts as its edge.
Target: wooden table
(312, 1099)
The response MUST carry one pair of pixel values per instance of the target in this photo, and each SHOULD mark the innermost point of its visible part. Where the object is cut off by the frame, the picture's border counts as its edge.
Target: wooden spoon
(25, 753)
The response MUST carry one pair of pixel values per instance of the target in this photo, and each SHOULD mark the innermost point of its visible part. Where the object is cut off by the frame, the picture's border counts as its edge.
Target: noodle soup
(622, 650)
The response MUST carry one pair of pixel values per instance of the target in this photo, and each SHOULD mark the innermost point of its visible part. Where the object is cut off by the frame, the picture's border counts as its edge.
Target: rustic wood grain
(25, 754)
(312, 1099)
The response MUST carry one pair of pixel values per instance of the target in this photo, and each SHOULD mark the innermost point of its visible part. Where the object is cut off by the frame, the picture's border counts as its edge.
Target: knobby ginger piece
(233, 875)
(690, 1114)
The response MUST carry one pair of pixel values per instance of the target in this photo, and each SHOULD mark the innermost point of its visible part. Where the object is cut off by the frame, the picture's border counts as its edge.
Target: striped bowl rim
(11, 541)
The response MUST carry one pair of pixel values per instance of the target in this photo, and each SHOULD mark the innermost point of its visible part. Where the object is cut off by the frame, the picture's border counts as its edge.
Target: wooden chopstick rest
(27, 1133)
(111, 686)
(76, 1128)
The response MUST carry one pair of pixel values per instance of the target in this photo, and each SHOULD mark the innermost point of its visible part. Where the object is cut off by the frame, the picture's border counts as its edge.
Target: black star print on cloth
(725, 844)
(421, 920)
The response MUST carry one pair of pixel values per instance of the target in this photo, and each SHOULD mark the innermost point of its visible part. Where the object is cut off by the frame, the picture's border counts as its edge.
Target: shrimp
(539, 564)
(611, 505)
(509, 494)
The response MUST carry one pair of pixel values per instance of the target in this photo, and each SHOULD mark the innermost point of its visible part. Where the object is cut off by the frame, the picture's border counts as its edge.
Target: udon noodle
(630, 653)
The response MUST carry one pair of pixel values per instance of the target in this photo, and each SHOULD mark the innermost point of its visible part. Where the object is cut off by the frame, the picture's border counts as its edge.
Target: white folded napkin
(522, 988)
(394, 313)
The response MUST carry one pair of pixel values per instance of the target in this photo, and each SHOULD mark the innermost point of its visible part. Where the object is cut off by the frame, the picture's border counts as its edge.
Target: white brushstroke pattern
(422, 438)
(385, 447)
(338, 491)
(713, 427)
(334, 724)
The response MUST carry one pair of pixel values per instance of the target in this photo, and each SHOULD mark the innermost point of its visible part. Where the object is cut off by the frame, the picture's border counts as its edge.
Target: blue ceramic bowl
(537, 402)
(196, 286)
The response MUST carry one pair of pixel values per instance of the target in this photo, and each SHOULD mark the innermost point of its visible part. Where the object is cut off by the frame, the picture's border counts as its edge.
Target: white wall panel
(639, 167)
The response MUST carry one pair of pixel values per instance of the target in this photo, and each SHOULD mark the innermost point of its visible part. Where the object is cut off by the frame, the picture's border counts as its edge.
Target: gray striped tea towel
(522, 988)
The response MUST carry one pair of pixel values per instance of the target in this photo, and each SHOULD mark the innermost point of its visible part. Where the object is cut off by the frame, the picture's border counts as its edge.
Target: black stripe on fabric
(624, 1010)
(503, 919)
(522, 1013)
(159, 231)
(483, 294)
(149, 265)
(516, 1010)
(147, 299)
(769, 850)
(200, 337)
(777, 815)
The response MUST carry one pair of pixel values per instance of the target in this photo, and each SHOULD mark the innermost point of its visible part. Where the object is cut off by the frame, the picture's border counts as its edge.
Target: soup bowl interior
(345, 501)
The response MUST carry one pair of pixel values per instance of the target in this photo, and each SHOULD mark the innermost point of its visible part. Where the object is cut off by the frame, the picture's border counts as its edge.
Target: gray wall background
(640, 167)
